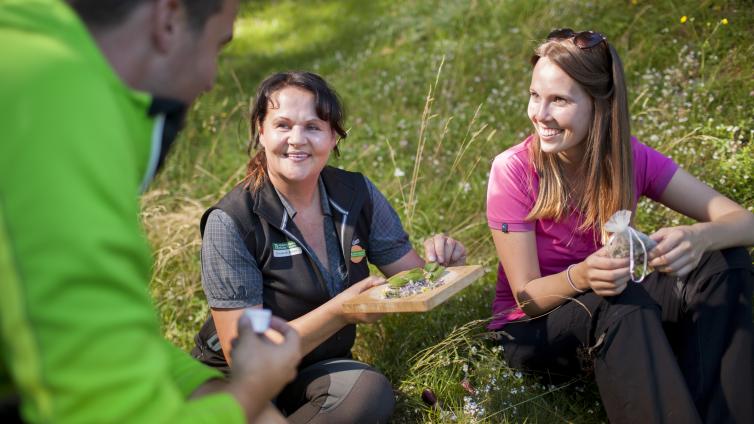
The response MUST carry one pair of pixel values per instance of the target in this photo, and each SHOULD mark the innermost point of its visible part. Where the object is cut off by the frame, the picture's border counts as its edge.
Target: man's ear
(168, 17)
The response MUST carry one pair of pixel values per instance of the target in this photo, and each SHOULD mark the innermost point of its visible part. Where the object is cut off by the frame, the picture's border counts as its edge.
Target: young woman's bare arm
(722, 223)
(535, 294)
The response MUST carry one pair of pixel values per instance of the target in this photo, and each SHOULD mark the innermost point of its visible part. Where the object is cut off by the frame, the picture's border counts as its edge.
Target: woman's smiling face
(296, 141)
(559, 109)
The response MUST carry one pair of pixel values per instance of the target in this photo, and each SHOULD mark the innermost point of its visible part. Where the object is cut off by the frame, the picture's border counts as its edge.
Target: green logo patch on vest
(281, 250)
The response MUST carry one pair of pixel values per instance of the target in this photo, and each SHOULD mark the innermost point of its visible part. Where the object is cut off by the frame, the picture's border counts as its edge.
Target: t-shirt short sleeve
(511, 192)
(653, 170)
(230, 275)
(388, 241)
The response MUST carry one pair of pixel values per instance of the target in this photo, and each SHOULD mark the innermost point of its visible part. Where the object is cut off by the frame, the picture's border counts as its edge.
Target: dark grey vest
(293, 285)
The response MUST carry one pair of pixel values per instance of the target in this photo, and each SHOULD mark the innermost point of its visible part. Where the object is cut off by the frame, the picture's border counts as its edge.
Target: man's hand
(261, 367)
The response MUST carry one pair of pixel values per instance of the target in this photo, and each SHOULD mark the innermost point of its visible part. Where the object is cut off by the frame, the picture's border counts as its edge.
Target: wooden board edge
(420, 305)
(452, 291)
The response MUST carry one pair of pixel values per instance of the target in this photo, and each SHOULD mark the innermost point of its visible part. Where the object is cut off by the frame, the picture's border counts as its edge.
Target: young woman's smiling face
(560, 110)
(296, 141)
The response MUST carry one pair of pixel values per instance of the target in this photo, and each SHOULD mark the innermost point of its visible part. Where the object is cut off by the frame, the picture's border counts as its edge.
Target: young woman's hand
(444, 250)
(604, 275)
(678, 250)
(353, 291)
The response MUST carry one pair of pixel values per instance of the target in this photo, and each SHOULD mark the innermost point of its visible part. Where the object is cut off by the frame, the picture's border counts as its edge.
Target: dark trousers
(10, 409)
(337, 391)
(665, 350)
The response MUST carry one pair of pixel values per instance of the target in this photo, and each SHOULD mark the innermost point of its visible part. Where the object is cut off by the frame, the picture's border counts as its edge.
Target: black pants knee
(665, 350)
(707, 317)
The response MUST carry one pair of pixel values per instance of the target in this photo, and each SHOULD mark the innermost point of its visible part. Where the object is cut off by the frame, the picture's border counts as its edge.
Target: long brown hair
(607, 166)
(327, 106)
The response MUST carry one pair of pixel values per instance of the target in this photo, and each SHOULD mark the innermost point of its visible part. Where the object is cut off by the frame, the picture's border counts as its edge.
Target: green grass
(434, 90)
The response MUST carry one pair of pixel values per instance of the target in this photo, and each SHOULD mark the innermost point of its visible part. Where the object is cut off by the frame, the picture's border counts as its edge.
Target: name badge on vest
(281, 250)
(357, 252)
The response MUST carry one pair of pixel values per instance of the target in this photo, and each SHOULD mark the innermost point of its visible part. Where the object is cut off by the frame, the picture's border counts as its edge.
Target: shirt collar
(324, 201)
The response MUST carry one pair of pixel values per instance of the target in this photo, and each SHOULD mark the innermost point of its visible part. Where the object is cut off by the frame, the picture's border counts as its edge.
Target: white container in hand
(260, 319)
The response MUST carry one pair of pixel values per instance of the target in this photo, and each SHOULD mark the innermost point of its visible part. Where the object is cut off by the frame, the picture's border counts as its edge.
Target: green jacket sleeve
(187, 373)
(86, 344)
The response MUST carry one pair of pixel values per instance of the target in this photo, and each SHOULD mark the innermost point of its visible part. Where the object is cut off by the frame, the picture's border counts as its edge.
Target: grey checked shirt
(232, 279)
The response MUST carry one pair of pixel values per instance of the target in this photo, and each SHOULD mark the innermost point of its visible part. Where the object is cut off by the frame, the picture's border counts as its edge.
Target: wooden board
(373, 300)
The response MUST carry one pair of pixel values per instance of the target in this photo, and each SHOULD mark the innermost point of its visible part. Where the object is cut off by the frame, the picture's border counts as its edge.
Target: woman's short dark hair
(107, 13)
(327, 106)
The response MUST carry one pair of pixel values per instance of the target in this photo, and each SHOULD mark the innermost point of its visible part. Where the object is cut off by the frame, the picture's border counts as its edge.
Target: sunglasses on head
(582, 40)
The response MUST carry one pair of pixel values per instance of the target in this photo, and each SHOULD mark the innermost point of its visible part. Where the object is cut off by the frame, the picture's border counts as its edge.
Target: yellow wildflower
(724, 21)
(684, 18)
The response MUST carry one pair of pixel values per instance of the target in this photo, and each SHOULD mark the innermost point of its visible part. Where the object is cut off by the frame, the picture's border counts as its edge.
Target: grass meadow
(433, 91)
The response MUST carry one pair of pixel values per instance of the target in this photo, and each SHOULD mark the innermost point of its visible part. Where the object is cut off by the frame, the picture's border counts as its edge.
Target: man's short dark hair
(106, 13)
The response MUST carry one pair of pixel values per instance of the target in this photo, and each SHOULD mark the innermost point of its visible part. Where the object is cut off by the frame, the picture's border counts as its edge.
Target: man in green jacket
(90, 95)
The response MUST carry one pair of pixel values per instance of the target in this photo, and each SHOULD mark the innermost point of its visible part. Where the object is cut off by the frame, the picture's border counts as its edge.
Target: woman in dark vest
(296, 237)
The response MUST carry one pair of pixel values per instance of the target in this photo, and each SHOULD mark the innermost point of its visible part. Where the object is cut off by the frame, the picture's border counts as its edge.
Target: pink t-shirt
(511, 194)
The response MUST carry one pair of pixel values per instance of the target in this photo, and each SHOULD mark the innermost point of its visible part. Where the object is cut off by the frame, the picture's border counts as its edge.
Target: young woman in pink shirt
(676, 347)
